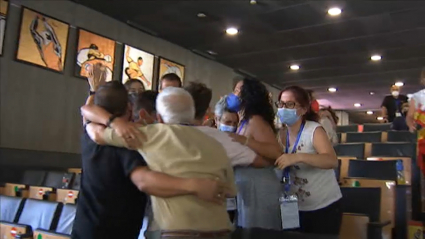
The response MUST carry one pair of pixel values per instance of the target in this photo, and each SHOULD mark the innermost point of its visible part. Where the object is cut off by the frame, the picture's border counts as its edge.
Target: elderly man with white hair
(178, 149)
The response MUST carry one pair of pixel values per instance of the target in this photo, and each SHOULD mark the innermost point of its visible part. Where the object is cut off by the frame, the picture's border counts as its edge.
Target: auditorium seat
(354, 226)
(347, 128)
(381, 170)
(343, 167)
(339, 137)
(75, 170)
(387, 201)
(393, 150)
(69, 195)
(10, 208)
(359, 203)
(356, 150)
(30, 177)
(366, 137)
(376, 127)
(64, 228)
(36, 214)
(401, 136)
(407, 166)
(53, 181)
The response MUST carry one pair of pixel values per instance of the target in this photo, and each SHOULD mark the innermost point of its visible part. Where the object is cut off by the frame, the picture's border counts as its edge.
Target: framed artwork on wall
(92, 49)
(167, 66)
(138, 64)
(42, 40)
(3, 17)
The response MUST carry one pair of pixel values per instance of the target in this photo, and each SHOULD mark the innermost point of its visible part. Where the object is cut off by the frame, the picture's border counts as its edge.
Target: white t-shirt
(329, 129)
(238, 154)
(419, 98)
(316, 188)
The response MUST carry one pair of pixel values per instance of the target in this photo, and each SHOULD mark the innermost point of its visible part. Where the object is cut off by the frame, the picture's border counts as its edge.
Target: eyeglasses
(288, 104)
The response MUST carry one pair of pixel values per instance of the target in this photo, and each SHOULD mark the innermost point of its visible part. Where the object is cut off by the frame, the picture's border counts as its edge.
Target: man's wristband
(92, 92)
(111, 119)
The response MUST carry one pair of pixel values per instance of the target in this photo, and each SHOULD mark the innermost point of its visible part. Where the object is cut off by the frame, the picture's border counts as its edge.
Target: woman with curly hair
(258, 188)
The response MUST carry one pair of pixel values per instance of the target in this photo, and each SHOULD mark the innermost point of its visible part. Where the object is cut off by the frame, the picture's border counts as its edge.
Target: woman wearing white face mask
(391, 105)
(308, 163)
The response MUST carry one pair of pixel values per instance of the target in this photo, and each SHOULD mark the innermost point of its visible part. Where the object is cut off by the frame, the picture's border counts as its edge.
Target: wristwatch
(92, 92)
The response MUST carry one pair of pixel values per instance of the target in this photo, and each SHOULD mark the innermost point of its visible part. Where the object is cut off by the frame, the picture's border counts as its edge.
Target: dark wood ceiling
(332, 51)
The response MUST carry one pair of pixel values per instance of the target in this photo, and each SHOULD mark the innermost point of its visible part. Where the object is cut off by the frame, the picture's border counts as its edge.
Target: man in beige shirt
(179, 149)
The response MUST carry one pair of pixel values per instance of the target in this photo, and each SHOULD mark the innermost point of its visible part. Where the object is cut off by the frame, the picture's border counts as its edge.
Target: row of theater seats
(363, 128)
(40, 205)
(52, 186)
(32, 218)
(376, 203)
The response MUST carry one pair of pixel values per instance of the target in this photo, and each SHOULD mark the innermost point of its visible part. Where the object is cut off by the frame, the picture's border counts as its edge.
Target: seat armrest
(380, 224)
(22, 192)
(51, 233)
(50, 195)
(24, 236)
(8, 227)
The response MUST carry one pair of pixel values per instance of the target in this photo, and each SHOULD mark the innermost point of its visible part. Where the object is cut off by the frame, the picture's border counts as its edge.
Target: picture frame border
(76, 52)
(19, 40)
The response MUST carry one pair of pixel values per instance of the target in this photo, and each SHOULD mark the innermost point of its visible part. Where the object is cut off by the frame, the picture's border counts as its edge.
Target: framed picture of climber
(42, 40)
(138, 64)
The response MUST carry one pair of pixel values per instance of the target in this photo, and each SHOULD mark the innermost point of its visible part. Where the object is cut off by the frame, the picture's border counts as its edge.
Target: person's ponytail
(311, 115)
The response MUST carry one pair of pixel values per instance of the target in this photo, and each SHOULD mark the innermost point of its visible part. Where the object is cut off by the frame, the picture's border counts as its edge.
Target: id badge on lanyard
(231, 204)
(289, 202)
(289, 211)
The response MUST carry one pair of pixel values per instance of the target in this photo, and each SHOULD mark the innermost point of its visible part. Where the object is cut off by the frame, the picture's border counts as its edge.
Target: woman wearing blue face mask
(310, 158)
(258, 188)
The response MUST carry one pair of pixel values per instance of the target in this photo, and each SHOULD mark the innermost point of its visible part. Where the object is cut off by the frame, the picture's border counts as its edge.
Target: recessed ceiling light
(212, 53)
(232, 31)
(371, 93)
(399, 84)
(332, 89)
(201, 15)
(376, 58)
(253, 2)
(335, 11)
(380, 118)
(357, 105)
(294, 67)
(369, 112)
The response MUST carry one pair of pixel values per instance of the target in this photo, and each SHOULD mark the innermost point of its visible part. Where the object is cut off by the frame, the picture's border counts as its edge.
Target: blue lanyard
(397, 105)
(241, 126)
(286, 177)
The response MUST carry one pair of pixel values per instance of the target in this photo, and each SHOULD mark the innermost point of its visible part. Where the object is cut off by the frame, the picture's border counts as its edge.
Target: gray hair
(176, 106)
(220, 107)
